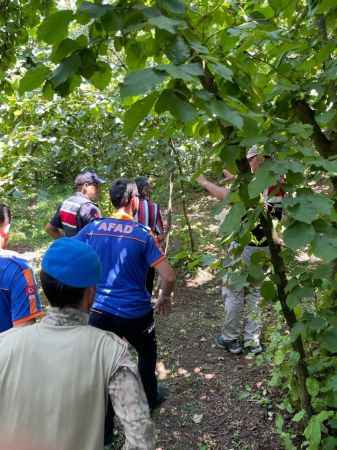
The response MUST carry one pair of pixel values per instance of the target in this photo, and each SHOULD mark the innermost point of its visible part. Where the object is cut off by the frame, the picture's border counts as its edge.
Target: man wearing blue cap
(79, 209)
(54, 393)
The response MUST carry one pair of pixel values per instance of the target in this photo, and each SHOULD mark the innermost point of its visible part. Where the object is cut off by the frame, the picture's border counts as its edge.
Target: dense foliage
(216, 77)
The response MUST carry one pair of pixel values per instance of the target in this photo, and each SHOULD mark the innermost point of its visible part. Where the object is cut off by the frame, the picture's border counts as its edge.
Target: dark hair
(142, 182)
(5, 213)
(58, 294)
(121, 192)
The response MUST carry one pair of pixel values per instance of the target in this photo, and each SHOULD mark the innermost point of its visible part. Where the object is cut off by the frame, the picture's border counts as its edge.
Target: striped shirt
(149, 215)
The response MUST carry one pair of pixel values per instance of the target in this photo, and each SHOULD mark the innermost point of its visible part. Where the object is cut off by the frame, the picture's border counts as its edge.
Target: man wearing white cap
(235, 299)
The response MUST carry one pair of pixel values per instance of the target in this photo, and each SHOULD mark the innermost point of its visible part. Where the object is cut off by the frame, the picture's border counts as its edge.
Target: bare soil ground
(216, 398)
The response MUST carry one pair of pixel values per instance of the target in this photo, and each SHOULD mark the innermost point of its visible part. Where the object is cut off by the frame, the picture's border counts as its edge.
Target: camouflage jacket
(125, 387)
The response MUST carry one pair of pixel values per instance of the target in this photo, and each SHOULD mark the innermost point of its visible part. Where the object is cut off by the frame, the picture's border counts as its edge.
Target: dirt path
(217, 400)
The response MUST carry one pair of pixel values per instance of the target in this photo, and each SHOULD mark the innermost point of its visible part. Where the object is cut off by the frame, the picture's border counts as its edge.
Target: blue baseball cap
(72, 262)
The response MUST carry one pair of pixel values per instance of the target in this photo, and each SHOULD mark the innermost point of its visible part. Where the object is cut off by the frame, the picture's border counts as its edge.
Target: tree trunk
(183, 196)
(169, 214)
(289, 315)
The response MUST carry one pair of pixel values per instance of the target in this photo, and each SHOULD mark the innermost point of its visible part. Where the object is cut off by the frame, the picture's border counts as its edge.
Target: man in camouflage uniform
(57, 375)
(79, 209)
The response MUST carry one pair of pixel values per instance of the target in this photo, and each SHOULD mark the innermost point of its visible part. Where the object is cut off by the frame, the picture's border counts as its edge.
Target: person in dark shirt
(149, 214)
(79, 209)
(236, 299)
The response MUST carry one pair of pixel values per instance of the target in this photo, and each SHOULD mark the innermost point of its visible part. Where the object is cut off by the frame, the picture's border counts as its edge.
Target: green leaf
(312, 386)
(67, 47)
(178, 51)
(263, 179)
(298, 235)
(55, 27)
(221, 110)
(313, 430)
(186, 72)
(279, 356)
(236, 280)
(300, 129)
(329, 340)
(299, 416)
(141, 81)
(65, 70)
(325, 5)
(181, 109)
(135, 57)
(298, 294)
(172, 6)
(112, 21)
(208, 259)
(167, 24)
(308, 207)
(329, 443)
(256, 272)
(101, 78)
(233, 219)
(88, 63)
(268, 290)
(266, 11)
(138, 111)
(94, 10)
(325, 247)
(33, 78)
(332, 383)
(48, 91)
(222, 71)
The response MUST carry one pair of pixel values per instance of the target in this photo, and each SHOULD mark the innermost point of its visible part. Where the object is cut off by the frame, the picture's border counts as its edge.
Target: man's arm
(55, 233)
(168, 278)
(88, 213)
(130, 405)
(216, 191)
(54, 227)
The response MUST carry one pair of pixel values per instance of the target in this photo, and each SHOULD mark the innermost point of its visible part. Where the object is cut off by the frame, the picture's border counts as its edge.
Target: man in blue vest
(19, 302)
(79, 209)
(122, 304)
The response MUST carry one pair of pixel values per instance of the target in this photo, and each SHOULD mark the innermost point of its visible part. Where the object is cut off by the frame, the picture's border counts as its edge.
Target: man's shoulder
(110, 341)
(143, 228)
(14, 259)
(16, 334)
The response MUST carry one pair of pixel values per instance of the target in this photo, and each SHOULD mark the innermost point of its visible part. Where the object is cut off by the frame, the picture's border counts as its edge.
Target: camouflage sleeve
(130, 405)
(89, 212)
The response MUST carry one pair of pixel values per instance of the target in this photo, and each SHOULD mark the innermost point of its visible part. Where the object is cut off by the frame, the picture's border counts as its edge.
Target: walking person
(79, 209)
(19, 301)
(122, 303)
(149, 214)
(236, 300)
(57, 375)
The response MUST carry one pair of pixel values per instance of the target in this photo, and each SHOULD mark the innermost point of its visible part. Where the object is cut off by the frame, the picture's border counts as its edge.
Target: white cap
(252, 152)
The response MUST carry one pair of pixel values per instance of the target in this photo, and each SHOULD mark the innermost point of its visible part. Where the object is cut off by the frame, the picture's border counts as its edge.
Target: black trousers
(140, 333)
(150, 279)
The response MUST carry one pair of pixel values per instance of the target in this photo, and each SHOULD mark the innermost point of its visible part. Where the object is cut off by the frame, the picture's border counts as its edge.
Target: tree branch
(306, 114)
